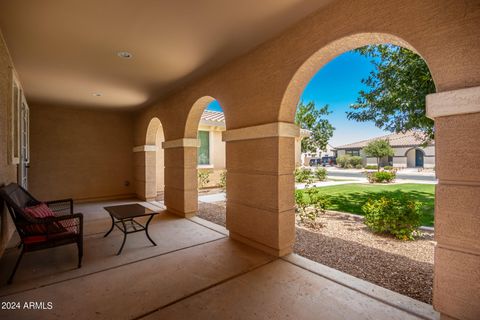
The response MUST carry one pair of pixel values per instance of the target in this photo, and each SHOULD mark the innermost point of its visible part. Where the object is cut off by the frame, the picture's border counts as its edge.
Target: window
(204, 149)
(353, 152)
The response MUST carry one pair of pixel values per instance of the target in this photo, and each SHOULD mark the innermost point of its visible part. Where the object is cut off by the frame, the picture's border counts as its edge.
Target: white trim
(274, 129)
(205, 166)
(178, 143)
(147, 147)
(454, 102)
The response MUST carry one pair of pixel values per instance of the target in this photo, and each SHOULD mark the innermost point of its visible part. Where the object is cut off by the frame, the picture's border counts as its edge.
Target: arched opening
(331, 223)
(154, 161)
(415, 158)
(207, 123)
(335, 48)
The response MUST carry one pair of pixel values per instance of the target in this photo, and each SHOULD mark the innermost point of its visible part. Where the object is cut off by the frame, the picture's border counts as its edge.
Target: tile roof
(213, 118)
(409, 138)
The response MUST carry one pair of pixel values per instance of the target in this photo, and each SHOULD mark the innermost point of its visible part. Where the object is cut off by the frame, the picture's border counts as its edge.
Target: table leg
(124, 237)
(146, 230)
(111, 228)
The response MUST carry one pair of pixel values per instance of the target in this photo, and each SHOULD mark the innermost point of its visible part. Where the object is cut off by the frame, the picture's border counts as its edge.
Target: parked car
(314, 162)
(324, 161)
(329, 161)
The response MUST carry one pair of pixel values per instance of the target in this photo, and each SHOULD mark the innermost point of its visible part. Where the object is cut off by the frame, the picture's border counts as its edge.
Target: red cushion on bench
(34, 239)
(43, 238)
(39, 211)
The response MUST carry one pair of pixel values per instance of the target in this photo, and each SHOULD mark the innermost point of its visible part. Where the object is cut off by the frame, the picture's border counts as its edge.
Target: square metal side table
(123, 217)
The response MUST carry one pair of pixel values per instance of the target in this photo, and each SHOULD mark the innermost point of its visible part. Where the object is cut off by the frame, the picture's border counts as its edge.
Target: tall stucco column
(181, 193)
(260, 186)
(144, 158)
(456, 292)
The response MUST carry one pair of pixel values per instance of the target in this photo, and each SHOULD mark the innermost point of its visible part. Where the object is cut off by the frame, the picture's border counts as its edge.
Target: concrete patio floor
(194, 272)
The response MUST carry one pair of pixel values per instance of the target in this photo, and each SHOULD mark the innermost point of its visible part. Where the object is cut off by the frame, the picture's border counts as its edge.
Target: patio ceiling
(66, 51)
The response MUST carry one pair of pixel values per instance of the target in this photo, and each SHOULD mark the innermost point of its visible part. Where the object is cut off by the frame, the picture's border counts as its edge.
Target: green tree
(379, 149)
(311, 118)
(395, 96)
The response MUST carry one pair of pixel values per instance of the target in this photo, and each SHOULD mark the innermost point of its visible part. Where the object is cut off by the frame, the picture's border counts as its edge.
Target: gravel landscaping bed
(343, 242)
(213, 212)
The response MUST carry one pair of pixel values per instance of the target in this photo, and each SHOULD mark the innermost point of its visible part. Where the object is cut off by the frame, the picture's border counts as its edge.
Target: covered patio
(89, 88)
(194, 272)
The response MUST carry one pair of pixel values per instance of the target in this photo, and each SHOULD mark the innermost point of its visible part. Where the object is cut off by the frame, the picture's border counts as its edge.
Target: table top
(126, 211)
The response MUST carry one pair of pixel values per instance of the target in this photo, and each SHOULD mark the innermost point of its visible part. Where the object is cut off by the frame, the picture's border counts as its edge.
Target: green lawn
(351, 197)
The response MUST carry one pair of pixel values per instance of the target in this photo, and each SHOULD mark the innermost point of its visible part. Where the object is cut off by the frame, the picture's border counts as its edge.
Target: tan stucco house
(409, 151)
(329, 151)
(211, 150)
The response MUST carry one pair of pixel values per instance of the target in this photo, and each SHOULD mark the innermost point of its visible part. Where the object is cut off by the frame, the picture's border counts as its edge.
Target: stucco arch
(315, 62)
(411, 157)
(195, 114)
(413, 148)
(152, 129)
(150, 171)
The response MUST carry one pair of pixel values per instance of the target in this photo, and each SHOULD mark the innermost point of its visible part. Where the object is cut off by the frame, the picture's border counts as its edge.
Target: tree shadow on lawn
(392, 271)
(352, 202)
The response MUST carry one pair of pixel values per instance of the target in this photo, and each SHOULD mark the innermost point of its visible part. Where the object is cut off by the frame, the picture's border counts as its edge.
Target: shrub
(388, 168)
(347, 161)
(223, 180)
(303, 175)
(371, 167)
(381, 176)
(203, 178)
(320, 174)
(398, 216)
(309, 204)
(358, 166)
(355, 161)
(343, 161)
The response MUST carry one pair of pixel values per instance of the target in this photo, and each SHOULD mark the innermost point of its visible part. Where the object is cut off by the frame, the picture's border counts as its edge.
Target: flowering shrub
(303, 175)
(309, 204)
(223, 180)
(399, 216)
(320, 174)
(381, 176)
(203, 178)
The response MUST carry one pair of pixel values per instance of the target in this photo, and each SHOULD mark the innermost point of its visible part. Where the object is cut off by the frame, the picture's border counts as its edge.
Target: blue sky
(337, 84)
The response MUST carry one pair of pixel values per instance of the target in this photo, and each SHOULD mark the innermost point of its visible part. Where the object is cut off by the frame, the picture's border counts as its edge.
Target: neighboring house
(409, 152)
(211, 153)
(329, 151)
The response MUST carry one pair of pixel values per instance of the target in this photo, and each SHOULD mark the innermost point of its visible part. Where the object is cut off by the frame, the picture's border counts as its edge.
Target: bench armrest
(62, 205)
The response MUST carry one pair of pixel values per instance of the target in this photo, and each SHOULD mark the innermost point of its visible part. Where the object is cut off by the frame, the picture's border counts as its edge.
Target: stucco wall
(217, 149)
(400, 162)
(78, 153)
(411, 158)
(251, 89)
(8, 172)
(402, 152)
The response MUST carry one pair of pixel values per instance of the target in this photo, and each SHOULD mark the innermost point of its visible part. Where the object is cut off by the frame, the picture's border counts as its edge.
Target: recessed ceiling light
(125, 54)
(97, 94)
